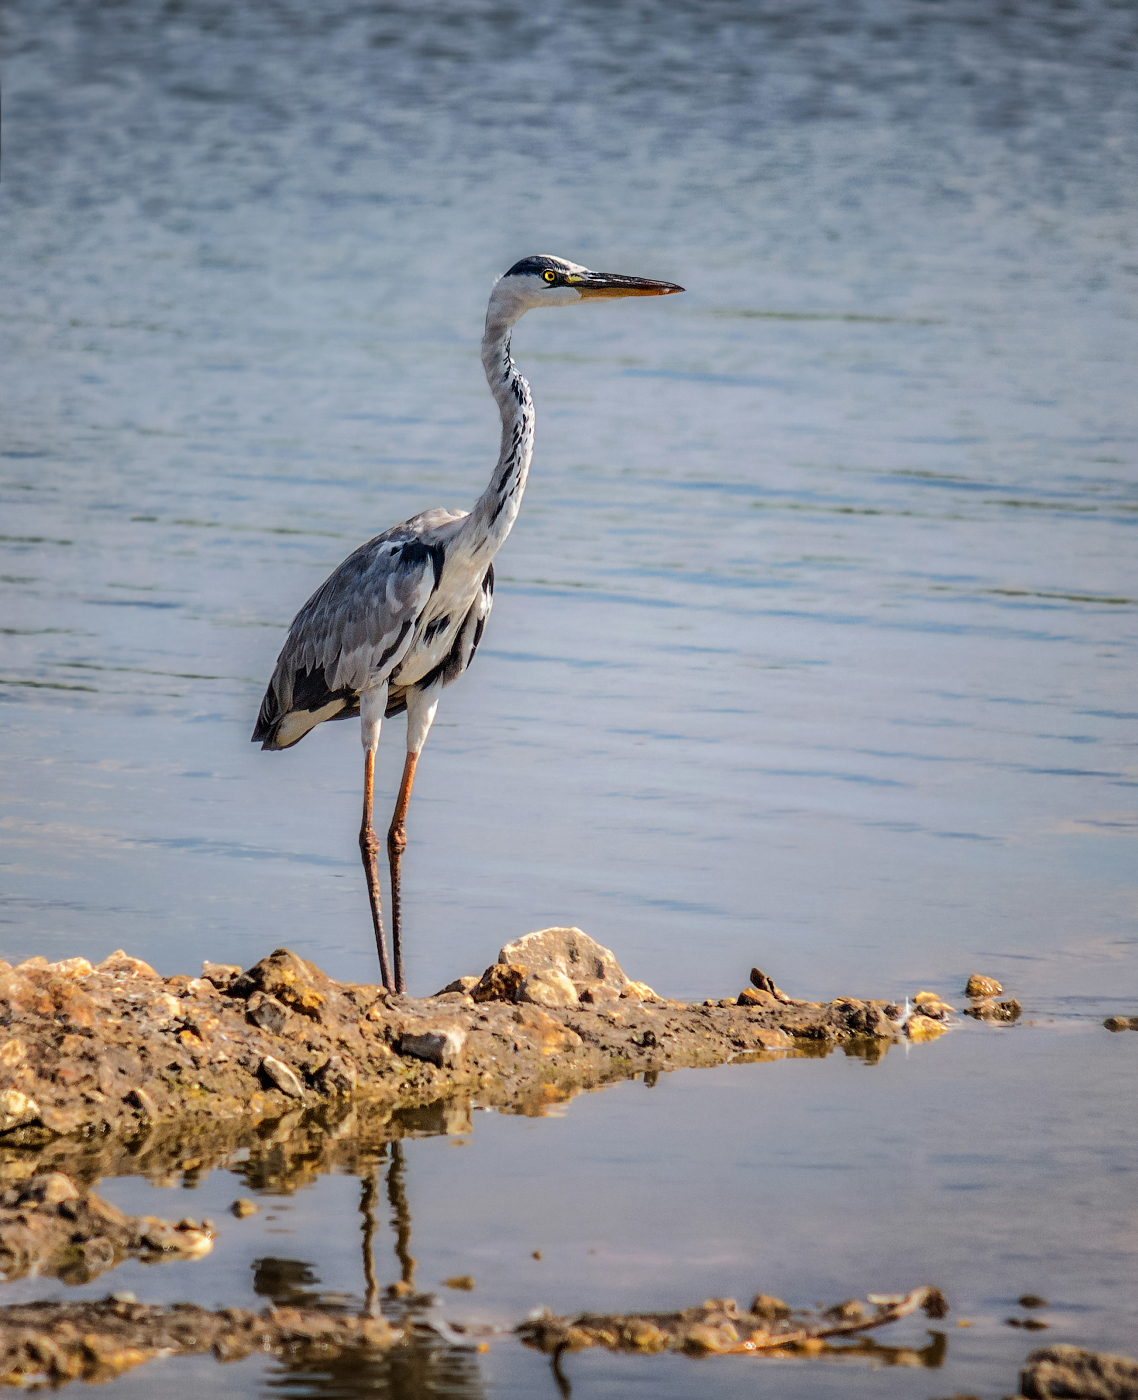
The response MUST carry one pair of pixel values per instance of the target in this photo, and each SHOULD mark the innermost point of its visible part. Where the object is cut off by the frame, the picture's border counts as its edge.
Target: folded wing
(354, 630)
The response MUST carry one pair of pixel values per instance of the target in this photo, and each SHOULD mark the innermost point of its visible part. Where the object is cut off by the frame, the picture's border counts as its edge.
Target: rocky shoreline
(118, 1049)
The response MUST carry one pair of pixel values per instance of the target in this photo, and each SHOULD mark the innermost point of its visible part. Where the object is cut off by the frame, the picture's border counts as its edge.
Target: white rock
(440, 1046)
(567, 950)
(16, 1109)
(282, 1077)
(548, 988)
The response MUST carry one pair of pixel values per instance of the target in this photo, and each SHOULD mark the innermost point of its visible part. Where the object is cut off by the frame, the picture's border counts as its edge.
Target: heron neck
(497, 508)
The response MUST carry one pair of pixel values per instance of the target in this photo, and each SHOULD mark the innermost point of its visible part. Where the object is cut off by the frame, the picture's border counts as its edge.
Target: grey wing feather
(355, 628)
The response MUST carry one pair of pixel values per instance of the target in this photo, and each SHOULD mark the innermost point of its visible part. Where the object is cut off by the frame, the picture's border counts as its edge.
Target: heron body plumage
(401, 618)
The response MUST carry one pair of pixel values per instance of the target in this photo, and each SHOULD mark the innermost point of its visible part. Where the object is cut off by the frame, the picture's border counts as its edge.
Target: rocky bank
(119, 1049)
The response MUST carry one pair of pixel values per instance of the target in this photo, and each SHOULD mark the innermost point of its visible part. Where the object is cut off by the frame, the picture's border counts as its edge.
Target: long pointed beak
(612, 284)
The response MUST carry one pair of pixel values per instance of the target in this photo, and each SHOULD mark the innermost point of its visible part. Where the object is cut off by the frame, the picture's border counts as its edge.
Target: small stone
(757, 996)
(460, 984)
(929, 1004)
(442, 1046)
(125, 965)
(463, 1282)
(220, 974)
(1034, 1324)
(919, 1027)
(12, 1052)
(1032, 1300)
(981, 986)
(768, 1308)
(267, 1013)
(500, 982)
(537, 1254)
(336, 1076)
(297, 984)
(1117, 1023)
(16, 1110)
(763, 983)
(453, 998)
(279, 1074)
(547, 988)
(641, 991)
(71, 967)
(140, 1099)
(995, 1010)
(243, 1207)
(124, 1295)
(727, 1001)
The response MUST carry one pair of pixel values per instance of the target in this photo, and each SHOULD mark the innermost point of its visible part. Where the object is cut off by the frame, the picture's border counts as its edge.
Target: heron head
(549, 281)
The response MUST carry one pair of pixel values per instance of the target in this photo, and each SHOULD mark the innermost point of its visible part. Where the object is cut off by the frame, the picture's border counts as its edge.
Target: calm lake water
(814, 645)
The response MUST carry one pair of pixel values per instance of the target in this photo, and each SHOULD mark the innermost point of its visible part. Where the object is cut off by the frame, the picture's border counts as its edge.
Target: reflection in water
(367, 1210)
(401, 1218)
(416, 1374)
(285, 1281)
(429, 1367)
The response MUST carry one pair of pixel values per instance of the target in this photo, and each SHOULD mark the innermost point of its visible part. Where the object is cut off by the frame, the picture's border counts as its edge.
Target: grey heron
(401, 617)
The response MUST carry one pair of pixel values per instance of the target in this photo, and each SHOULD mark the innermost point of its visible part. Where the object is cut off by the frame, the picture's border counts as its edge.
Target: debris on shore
(50, 1228)
(118, 1048)
(44, 1345)
(719, 1327)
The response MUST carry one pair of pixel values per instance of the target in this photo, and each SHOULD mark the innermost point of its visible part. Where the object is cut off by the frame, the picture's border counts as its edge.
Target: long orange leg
(369, 850)
(396, 845)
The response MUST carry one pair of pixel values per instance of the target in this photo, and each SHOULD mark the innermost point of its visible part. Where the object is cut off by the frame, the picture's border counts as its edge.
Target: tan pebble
(16, 1109)
(140, 1099)
(537, 1254)
(283, 1077)
(981, 986)
(768, 1308)
(923, 1028)
(122, 962)
(929, 1004)
(641, 991)
(1032, 1300)
(1117, 1023)
(70, 967)
(243, 1207)
(463, 1282)
(547, 988)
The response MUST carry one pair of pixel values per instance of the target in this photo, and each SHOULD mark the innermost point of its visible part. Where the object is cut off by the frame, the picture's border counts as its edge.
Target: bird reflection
(427, 1368)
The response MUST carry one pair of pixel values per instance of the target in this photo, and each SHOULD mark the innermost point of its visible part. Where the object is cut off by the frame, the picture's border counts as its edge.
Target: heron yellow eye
(549, 275)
